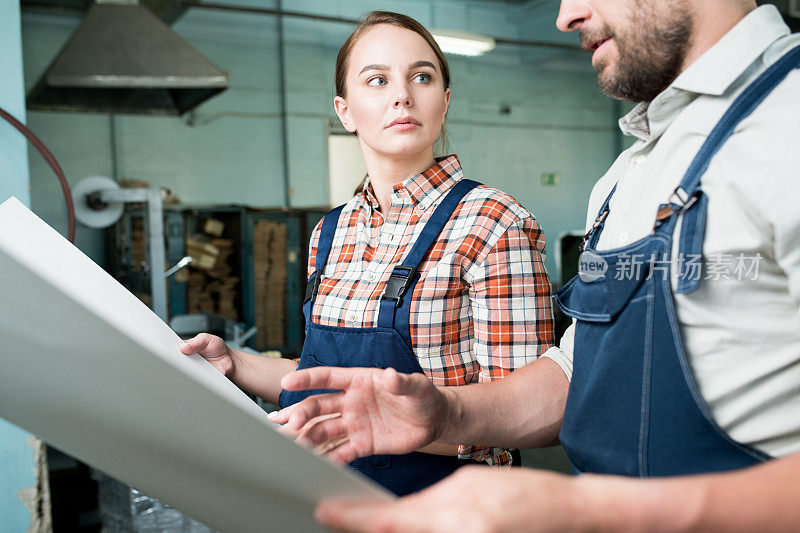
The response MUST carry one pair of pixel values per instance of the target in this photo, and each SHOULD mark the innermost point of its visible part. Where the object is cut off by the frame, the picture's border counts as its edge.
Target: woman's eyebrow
(423, 64)
(373, 67)
(386, 67)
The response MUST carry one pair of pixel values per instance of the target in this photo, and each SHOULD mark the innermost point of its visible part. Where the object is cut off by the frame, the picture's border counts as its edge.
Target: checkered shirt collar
(424, 189)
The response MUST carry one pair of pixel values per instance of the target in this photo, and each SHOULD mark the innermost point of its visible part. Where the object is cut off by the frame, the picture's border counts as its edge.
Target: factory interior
(224, 184)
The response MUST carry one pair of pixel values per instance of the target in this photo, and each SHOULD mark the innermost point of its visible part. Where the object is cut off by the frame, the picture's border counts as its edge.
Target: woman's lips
(404, 124)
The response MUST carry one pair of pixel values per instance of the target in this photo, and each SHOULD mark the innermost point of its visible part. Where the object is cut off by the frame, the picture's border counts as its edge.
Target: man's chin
(610, 86)
(603, 68)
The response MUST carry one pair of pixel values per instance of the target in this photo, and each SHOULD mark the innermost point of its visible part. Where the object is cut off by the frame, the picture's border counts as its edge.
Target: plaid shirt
(482, 305)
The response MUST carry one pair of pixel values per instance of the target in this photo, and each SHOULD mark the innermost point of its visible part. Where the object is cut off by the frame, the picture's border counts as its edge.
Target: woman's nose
(402, 100)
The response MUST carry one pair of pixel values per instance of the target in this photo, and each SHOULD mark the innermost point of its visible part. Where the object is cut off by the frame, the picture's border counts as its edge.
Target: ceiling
(167, 11)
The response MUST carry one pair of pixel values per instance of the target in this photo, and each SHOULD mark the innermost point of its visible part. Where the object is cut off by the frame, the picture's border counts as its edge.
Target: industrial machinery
(100, 202)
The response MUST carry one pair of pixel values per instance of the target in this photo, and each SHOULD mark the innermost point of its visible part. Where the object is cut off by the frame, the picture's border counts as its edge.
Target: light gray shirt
(741, 328)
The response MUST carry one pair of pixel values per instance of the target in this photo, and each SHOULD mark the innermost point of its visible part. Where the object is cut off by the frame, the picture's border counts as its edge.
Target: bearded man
(676, 391)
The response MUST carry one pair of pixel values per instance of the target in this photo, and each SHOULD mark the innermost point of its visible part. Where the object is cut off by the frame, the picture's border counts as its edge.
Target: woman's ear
(343, 112)
(446, 101)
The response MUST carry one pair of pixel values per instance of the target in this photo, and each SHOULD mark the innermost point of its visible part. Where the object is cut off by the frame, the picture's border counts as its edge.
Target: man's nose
(573, 14)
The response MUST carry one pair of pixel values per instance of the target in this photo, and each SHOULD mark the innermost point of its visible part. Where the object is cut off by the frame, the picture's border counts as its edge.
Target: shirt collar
(368, 198)
(424, 188)
(716, 70)
(712, 74)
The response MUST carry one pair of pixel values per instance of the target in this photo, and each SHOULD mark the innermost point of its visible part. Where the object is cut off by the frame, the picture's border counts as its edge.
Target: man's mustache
(591, 36)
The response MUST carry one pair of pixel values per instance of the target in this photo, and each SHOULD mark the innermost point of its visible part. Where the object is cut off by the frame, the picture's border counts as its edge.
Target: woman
(422, 270)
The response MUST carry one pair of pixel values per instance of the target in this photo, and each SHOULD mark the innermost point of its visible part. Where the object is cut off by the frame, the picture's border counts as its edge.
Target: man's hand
(759, 498)
(382, 411)
(474, 499)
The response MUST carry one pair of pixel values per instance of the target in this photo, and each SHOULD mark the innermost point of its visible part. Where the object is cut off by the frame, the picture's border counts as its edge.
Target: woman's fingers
(322, 430)
(299, 414)
(294, 434)
(329, 435)
(344, 454)
(189, 346)
(338, 446)
(325, 435)
(281, 416)
(196, 344)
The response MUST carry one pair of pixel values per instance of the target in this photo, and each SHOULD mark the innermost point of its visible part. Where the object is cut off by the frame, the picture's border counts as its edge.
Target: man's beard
(651, 54)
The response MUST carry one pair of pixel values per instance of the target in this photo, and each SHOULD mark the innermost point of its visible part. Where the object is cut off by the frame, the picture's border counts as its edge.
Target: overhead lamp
(463, 43)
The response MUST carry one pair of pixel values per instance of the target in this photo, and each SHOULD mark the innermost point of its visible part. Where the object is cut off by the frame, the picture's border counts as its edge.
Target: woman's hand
(214, 350)
(378, 411)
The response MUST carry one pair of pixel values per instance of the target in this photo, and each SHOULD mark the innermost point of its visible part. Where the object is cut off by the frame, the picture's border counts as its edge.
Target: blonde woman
(423, 270)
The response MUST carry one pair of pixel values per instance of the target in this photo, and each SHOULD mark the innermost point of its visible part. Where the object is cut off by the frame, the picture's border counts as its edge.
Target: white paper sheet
(90, 369)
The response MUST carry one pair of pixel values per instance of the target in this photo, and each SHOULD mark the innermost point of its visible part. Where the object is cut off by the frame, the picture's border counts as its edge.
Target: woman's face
(395, 96)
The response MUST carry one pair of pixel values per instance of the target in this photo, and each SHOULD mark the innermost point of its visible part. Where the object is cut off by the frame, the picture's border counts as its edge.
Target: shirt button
(370, 277)
(352, 318)
(640, 160)
(623, 237)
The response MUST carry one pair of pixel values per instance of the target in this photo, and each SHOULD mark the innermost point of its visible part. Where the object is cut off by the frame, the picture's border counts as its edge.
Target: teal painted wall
(230, 149)
(13, 146)
(16, 452)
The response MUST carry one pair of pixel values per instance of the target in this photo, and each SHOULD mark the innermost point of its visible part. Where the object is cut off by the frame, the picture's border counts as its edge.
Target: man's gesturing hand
(382, 411)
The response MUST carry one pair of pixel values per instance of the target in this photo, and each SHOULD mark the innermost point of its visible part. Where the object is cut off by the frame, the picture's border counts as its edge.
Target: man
(686, 376)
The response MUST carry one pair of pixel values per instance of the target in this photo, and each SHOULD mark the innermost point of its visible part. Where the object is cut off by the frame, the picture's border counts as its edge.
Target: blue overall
(634, 407)
(387, 345)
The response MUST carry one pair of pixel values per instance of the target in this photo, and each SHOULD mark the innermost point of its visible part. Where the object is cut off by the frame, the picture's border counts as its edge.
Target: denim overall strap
(404, 276)
(688, 198)
(593, 235)
(328, 230)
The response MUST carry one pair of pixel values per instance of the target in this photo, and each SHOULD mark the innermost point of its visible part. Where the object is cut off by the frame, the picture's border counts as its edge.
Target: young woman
(423, 270)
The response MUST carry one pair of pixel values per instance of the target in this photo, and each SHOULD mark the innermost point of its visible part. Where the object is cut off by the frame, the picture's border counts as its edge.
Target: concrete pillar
(21, 456)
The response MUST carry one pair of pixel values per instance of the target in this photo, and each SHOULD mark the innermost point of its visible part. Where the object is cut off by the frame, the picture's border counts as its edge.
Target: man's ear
(343, 112)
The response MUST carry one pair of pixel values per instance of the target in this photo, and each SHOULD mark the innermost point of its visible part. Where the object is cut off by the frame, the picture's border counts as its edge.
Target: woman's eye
(377, 81)
(422, 78)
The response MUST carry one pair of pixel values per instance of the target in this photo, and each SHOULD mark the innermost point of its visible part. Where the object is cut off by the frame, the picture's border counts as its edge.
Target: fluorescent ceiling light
(463, 43)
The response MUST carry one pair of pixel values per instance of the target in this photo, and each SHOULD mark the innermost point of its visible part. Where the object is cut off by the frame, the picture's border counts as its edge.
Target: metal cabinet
(268, 266)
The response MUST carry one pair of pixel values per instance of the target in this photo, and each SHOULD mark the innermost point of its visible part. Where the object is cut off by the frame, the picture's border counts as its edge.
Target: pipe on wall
(284, 118)
(343, 20)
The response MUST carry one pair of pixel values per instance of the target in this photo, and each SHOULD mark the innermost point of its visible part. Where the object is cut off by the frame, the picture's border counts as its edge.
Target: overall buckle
(682, 199)
(679, 202)
(597, 221)
(313, 287)
(398, 283)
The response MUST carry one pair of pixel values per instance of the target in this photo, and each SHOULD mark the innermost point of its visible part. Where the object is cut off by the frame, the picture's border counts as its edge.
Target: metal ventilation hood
(123, 59)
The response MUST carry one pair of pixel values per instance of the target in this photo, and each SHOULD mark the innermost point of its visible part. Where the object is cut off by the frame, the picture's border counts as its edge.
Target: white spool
(89, 216)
